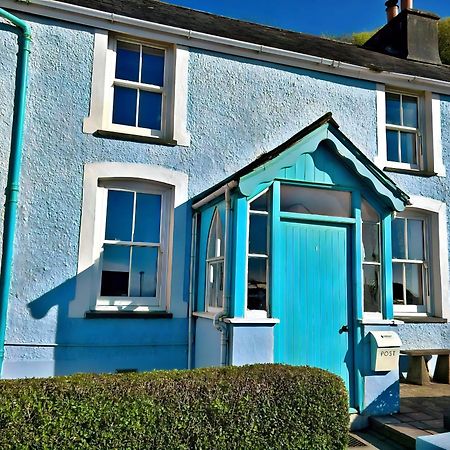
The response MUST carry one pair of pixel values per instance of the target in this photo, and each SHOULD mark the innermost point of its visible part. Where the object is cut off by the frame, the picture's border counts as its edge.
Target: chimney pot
(407, 4)
(391, 9)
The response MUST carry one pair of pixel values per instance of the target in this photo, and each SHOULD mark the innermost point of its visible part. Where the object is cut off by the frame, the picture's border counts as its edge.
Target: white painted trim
(437, 237)
(204, 315)
(174, 93)
(373, 321)
(92, 223)
(150, 30)
(429, 125)
(244, 321)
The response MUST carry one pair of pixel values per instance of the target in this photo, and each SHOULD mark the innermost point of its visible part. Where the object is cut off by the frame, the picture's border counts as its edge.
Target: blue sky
(330, 17)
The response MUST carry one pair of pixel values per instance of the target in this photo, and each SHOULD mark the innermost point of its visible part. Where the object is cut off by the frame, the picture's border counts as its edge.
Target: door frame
(355, 291)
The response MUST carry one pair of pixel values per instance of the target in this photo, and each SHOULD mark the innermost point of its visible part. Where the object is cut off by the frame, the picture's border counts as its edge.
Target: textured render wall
(236, 110)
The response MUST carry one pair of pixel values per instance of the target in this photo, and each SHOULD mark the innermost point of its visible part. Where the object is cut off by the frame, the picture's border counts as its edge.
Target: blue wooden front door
(314, 298)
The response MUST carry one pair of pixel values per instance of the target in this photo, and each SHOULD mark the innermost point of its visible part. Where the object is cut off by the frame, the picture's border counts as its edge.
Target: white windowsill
(204, 315)
(250, 321)
(375, 321)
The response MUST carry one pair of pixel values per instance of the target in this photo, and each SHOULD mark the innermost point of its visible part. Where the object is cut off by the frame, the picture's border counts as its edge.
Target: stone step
(400, 432)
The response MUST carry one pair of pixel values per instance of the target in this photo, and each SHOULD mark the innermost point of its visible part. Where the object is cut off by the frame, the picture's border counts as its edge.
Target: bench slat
(426, 352)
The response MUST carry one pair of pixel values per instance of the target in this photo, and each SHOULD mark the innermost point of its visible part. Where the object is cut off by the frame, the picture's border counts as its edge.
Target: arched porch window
(214, 266)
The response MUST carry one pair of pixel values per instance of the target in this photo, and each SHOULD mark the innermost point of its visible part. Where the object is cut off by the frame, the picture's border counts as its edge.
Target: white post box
(385, 350)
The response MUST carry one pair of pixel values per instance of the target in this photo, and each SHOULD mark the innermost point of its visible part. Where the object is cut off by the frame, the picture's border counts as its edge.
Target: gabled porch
(293, 264)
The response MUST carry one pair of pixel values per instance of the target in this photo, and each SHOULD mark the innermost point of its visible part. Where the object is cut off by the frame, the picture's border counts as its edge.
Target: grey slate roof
(177, 16)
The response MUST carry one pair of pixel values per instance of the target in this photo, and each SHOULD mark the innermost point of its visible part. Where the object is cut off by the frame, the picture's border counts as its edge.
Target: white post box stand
(385, 350)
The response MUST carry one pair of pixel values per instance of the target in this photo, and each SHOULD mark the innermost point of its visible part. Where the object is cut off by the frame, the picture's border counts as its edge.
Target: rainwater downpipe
(15, 161)
(192, 278)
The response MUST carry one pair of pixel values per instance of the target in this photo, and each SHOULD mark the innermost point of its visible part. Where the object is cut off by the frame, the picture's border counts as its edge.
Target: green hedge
(252, 407)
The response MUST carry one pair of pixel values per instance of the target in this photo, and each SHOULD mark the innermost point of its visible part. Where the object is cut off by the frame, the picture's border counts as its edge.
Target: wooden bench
(418, 370)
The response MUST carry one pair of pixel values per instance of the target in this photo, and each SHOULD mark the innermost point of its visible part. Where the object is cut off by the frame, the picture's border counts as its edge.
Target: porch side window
(371, 237)
(258, 254)
(214, 266)
(410, 262)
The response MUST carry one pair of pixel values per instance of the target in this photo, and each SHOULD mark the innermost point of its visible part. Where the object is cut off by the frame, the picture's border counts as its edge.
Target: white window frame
(255, 313)
(429, 133)
(216, 223)
(370, 314)
(92, 229)
(434, 212)
(425, 264)
(166, 225)
(174, 103)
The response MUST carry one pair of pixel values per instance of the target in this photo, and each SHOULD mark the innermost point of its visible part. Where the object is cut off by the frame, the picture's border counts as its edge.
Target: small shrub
(253, 407)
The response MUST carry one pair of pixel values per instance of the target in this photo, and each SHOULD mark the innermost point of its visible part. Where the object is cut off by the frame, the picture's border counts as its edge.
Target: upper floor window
(140, 86)
(403, 137)
(139, 90)
(409, 131)
(215, 266)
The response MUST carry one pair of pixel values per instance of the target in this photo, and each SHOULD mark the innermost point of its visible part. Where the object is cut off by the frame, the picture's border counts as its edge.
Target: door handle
(344, 329)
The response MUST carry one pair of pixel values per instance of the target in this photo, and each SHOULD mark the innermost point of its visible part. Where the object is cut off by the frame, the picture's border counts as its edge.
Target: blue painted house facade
(200, 191)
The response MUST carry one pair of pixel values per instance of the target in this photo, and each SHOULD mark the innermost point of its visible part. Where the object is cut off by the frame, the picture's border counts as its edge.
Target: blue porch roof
(324, 131)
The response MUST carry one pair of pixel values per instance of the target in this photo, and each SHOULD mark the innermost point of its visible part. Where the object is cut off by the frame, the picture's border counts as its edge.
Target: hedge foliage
(252, 407)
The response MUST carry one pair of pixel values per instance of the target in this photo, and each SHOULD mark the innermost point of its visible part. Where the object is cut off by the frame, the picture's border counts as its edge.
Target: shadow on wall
(108, 344)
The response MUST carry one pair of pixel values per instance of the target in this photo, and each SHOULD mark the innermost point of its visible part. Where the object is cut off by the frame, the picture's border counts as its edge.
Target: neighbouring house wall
(237, 109)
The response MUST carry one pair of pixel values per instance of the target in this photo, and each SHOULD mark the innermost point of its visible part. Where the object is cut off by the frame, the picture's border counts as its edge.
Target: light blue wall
(251, 344)
(208, 344)
(237, 109)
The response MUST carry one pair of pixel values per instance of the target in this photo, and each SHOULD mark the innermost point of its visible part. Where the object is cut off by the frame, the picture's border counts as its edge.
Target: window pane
(392, 145)
(415, 239)
(372, 301)
(261, 203)
(410, 116)
(148, 218)
(397, 277)
(150, 105)
(398, 239)
(144, 269)
(393, 109)
(127, 61)
(119, 215)
(414, 290)
(215, 284)
(371, 242)
(152, 66)
(215, 241)
(116, 262)
(256, 284)
(124, 107)
(305, 200)
(408, 143)
(258, 234)
(368, 213)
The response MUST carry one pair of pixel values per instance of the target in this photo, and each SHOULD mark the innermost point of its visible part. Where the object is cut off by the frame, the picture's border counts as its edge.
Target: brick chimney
(411, 34)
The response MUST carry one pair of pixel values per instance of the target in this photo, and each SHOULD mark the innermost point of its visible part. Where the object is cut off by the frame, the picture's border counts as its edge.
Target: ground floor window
(410, 261)
(133, 261)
